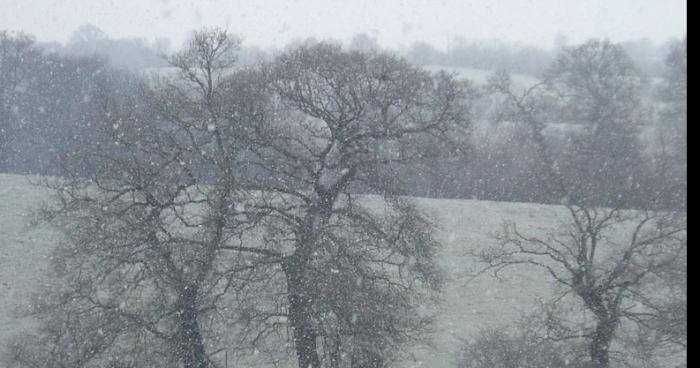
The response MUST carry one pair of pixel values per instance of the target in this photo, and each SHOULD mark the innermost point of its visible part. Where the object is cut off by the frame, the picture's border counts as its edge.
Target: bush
(499, 348)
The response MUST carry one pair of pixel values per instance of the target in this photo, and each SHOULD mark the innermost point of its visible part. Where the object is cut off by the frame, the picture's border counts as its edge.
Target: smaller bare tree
(614, 263)
(151, 236)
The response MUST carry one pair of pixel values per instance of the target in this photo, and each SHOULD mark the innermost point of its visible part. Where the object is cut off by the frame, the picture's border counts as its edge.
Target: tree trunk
(4, 140)
(191, 345)
(334, 359)
(367, 359)
(300, 305)
(599, 347)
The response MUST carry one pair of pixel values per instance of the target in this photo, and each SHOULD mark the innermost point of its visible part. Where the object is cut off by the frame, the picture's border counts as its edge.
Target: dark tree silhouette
(353, 276)
(612, 262)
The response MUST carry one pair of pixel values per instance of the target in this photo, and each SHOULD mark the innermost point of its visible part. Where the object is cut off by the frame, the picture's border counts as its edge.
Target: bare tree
(593, 91)
(672, 129)
(531, 110)
(352, 276)
(44, 109)
(598, 88)
(152, 233)
(611, 261)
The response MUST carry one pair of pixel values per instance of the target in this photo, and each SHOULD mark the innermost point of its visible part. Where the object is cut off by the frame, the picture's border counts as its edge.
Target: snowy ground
(465, 224)
(24, 251)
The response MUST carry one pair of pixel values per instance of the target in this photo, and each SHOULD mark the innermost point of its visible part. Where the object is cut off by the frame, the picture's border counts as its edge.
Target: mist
(343, 184)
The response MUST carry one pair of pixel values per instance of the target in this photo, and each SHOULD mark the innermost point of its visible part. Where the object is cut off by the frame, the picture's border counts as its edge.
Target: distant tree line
(592, 120)
(48, 104)
(520, 58)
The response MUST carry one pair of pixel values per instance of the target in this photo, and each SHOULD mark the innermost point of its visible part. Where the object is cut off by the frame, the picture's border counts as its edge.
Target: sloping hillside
(24, 250)
(467, 307)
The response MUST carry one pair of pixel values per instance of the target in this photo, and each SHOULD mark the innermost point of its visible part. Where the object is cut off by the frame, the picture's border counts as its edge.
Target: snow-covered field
(465, 224)
(24, 250)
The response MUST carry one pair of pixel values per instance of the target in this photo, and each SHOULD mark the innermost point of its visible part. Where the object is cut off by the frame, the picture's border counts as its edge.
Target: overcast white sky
(392, 22)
